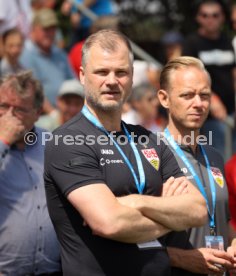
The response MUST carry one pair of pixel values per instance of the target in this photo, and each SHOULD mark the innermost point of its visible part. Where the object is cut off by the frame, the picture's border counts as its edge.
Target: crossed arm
(118, 219)
(181, 205)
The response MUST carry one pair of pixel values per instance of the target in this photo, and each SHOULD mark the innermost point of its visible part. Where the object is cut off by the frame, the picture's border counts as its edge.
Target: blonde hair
(176, 64)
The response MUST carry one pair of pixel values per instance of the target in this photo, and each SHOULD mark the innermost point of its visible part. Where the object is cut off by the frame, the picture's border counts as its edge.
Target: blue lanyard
(140, 185)
(181, 154)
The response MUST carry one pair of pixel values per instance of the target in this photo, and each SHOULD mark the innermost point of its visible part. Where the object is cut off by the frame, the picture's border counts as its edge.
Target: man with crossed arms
(88, 186)
(185, 91)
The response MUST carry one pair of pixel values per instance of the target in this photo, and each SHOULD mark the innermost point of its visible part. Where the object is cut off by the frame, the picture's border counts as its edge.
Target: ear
(81, 75)
(163, 97)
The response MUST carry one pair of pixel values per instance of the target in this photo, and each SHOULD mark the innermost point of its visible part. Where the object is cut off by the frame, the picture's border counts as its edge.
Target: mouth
(196, 115)
(111, 93)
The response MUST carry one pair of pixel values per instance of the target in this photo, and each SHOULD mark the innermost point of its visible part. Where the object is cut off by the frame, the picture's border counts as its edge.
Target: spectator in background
(12, 42)
(144, 101)
(48, 63)
(28, 244)
(215, 50)
(81, 23)
(49, 4)
(146, 72)
(70, 101)
(172, 42)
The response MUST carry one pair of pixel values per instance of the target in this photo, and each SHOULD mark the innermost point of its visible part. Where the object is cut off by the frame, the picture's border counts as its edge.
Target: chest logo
(218, 176)
(152, 157)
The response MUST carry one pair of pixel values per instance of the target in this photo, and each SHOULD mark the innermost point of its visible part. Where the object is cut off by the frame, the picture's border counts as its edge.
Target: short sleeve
(169, 164)
(71, 166)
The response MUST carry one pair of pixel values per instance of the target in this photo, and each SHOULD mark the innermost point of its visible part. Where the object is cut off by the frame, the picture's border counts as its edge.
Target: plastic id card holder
(149, 245)
(215, 242)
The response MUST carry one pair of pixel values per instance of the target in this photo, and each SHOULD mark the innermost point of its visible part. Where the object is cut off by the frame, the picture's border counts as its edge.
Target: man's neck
(209, 35)
(111, 120)
(184, 136)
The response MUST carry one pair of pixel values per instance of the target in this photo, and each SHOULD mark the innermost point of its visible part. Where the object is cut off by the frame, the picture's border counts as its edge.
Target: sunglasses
(212, 15)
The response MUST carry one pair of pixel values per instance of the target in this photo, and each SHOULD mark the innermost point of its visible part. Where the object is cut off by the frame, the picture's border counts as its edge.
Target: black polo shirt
(68, 167)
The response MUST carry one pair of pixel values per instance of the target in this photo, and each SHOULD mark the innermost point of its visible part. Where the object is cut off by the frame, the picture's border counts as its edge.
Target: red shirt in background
(230, 173)
(75, 56)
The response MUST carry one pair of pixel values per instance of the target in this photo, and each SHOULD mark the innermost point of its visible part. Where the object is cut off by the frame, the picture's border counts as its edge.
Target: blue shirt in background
(28, 243)
(51, 70)
(101, 7)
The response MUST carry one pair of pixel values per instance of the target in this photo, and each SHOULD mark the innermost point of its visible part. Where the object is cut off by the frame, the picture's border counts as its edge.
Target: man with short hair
(95, 158)
(48, 63)
(185, 91)
(28, 244)
(212, 46)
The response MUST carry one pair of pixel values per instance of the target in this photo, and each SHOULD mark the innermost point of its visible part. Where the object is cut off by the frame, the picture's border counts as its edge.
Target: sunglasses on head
(207, 15)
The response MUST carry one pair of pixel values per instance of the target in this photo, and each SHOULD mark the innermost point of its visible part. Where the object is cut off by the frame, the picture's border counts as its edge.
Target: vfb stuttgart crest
(218, 176)
(152, 157)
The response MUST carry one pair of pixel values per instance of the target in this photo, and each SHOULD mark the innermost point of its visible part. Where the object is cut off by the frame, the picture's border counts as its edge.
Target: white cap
(73, 87)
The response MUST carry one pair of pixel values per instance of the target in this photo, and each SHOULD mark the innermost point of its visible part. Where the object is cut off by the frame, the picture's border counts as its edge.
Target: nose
(111, 79)
(197, 101)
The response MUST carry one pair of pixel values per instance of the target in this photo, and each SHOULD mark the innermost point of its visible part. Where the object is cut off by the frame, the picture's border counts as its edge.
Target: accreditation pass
(149, 244)
(215, 242)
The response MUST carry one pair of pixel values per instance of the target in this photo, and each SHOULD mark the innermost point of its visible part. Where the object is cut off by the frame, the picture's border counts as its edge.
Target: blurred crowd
(32, 40)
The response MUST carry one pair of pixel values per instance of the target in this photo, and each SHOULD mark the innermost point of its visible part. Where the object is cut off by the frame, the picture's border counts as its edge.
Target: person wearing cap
(172, 44)
(70, 101)
(48, 63)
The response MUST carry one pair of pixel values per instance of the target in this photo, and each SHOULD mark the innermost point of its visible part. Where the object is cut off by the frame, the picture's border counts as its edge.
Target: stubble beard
(99, 105)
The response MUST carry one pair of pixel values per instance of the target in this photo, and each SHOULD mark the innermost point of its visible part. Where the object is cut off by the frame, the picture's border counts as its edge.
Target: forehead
(210, 7)
(191, 77)
(10, 95)
(13, 37)
(119, 56)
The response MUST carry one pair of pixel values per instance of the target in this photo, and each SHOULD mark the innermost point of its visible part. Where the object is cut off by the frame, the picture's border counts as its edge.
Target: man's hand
(231, 250)
(175, 186)
(11, 128)
(202, 260)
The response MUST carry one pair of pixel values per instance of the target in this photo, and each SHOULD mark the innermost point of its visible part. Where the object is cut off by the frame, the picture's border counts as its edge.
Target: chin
(111, 106)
